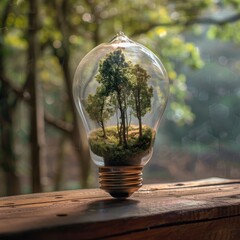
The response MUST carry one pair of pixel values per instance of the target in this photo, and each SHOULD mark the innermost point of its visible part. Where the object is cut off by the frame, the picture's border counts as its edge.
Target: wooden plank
(220, 229)
(162, 209)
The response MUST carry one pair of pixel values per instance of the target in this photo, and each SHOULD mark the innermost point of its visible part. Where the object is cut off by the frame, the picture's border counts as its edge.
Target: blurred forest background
(43, 143)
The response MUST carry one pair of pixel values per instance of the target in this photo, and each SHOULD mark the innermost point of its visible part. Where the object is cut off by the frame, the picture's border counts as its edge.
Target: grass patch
(115, 154)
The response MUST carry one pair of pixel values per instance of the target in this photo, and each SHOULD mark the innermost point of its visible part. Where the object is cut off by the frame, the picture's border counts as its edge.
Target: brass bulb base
(120, 181)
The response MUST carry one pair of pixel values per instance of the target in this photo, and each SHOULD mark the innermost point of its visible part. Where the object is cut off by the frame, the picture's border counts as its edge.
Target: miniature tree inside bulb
(120, 89)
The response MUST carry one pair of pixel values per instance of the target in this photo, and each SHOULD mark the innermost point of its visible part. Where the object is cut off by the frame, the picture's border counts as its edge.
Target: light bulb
(120, 89)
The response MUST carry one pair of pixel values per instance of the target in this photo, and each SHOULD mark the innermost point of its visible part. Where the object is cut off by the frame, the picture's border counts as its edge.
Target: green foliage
(141, 93)
(99, 108)
(112, 73)
(89, 23)
(229, 31)
(175, 52)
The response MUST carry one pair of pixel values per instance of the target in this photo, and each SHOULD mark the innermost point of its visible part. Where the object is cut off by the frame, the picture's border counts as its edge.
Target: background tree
(37, 131)
(8, 161)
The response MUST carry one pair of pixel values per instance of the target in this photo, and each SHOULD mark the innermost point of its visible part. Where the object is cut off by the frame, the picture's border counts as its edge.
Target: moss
(113, 153)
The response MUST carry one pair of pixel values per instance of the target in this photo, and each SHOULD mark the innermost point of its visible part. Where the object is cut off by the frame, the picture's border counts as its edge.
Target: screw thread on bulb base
(120, 181)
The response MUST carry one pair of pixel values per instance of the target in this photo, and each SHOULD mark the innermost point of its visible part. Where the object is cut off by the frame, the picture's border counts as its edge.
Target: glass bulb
(120, 89)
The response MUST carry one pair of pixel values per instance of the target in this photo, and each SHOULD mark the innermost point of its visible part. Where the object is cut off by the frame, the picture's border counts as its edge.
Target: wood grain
(208, 209)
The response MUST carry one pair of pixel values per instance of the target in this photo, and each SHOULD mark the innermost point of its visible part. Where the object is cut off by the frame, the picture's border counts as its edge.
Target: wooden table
(200, 210)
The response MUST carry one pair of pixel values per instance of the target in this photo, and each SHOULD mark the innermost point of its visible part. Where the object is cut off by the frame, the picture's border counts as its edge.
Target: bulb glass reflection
(120, 89)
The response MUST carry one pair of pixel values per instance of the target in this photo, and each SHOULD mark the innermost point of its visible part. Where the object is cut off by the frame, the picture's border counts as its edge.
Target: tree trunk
(78, 135)
(60, 163)
(118, 127)
(126, 117)
(8, 160)
(37, 137)
(140, 127)
(102, 120)
(103, 129)
(123, 119)
(139, 114)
